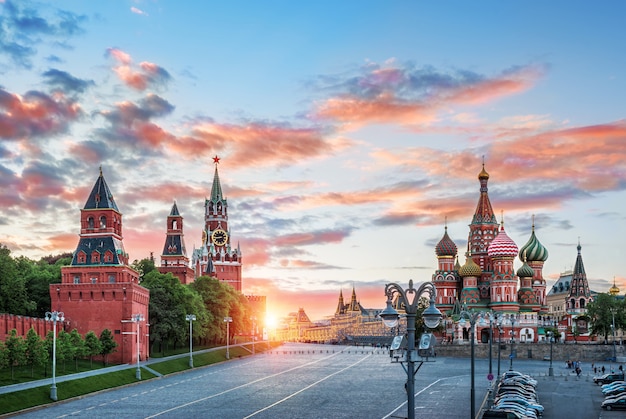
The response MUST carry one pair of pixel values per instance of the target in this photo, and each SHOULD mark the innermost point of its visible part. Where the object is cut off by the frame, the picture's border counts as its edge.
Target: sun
(271, 321)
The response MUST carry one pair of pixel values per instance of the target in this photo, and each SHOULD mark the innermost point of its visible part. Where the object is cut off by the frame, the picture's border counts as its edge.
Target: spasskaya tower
(216, 257)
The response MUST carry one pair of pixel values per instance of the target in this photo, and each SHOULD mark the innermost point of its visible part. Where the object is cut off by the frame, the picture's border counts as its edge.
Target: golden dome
(614, 290)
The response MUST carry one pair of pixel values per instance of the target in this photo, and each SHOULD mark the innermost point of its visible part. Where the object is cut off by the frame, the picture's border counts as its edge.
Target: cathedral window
(103, 221)
(582, 303)
(90, 223)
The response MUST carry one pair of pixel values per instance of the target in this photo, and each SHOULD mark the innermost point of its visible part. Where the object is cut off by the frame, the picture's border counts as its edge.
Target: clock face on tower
(219, 237)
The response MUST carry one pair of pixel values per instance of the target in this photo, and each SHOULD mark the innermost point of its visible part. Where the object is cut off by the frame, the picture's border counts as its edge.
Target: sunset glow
(348, 132)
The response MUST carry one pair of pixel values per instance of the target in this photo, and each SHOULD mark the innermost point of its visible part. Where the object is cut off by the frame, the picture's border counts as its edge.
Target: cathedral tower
(579, 293)
(99, 290)
(446, 278)
(535, 255)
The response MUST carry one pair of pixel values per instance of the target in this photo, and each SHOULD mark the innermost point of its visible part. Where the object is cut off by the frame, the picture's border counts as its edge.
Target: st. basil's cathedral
(487, 281)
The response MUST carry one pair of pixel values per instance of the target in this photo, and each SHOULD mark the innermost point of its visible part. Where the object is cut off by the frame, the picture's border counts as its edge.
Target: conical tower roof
(216, 188)
(101, 196)
(484, 211)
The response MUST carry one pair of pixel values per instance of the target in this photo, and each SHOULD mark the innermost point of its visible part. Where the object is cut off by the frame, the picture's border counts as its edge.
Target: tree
(93, 346)
(15, 351)
(144, 267)
(65, 348)
(601, 311)
(13, 295)
(36, 353)
(107, 345)
(78, 345)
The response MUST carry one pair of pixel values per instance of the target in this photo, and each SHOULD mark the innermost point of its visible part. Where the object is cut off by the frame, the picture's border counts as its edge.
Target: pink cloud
(139, 78)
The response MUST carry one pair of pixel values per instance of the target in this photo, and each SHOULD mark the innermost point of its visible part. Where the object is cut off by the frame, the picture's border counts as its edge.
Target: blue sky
(348, 131)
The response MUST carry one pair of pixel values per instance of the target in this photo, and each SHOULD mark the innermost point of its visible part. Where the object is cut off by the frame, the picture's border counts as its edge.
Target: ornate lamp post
(472, 316)
(253, 332)
(136, 318)
(228, 321)
(500, 331)
(431, 317)
(54, 317)
(190, 318)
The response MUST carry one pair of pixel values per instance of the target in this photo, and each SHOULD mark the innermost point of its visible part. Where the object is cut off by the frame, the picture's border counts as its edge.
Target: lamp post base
(190, 362)
(551, 372)
(138, 374)
(53, 392)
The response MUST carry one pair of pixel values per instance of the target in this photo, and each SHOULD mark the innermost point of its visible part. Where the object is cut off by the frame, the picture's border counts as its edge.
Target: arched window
(103, 221)
(90, 222)
(582, 303)
(174, 224)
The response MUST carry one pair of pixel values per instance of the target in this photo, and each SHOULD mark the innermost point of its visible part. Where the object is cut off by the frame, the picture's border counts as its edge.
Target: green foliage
(78, 345)
(107, 344)
(36, 354)
(144, 267)
(601, 312)
(65, 347)
(13, 293)
(93, 346)
(15, 348)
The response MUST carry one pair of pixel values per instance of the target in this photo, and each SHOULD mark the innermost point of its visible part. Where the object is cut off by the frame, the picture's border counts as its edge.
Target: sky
(349, 133)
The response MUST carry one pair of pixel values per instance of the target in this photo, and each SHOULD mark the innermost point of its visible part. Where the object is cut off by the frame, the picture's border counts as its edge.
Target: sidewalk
(59, 379)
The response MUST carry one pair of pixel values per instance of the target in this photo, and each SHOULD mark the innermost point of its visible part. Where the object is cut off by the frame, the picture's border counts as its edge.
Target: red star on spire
(216, 159)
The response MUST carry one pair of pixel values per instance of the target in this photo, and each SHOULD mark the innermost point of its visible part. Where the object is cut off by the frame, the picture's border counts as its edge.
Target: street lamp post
(54, 317)
(472, 316)
(228, 321)
(550, 369)
(512, 319)
(613, 329)
(136, 319)
(253, 333)
(190, 318)
(499, 323)
(431, 317)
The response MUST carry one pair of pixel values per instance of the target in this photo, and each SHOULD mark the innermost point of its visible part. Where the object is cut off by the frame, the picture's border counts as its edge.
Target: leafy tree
(144, 267)
(93, 346)
(13, 295)
(601, 312)
(78, 345)
(4, 362)
(166, 310)
(107, 345)
(36, 354)
(38, 276)
(65, 347)
(15, 351)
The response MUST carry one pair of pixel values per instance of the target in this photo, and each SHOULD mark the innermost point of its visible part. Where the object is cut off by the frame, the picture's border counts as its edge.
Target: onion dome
(502, 245)
(446, 246)
(534, 251)
(614, 290)
(470, 268)
(525, 271)
(483, 174)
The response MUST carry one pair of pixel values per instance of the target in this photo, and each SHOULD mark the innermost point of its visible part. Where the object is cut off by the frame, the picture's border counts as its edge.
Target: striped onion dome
(525, 271)
(446, 246)
(502, 245)
(470, 268)
(533, 249)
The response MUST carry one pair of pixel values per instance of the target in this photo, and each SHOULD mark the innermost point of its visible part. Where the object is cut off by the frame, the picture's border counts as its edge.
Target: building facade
(174, 258)
(99, 289)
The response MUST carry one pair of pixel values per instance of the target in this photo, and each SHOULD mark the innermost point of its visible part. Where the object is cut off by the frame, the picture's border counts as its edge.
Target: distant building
(174, 258)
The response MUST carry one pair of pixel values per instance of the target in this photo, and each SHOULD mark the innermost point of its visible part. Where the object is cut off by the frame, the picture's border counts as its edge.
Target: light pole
(228, 321)
(613, 329)
(499, 324)
(136, 318)
(550, 369)
(431, 317)
(190, 318)
(472, 316)
(253, 332)
(512, 319)
(54, 317)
